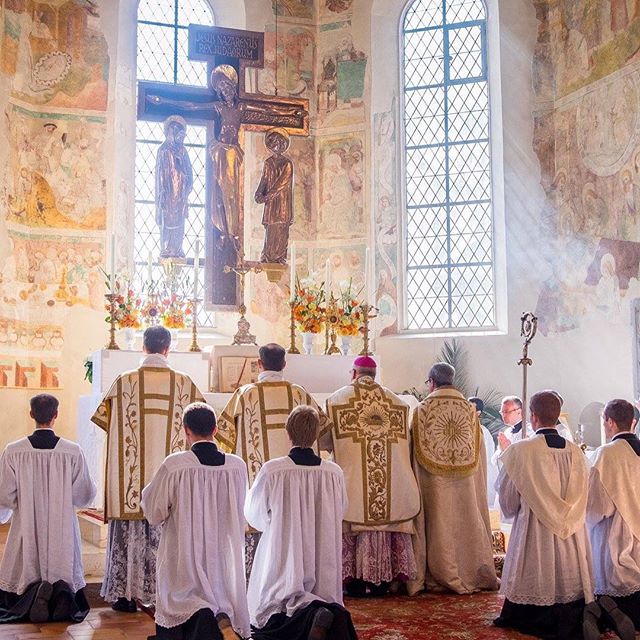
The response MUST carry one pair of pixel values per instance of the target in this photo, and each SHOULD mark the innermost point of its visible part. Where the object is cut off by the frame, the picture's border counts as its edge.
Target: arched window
(162, 57)
(449, 252)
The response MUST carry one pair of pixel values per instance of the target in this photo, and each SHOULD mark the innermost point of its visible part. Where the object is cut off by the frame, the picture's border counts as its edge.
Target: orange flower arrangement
(308, 310)
(174, 312)
(350, 313)
(128, 306)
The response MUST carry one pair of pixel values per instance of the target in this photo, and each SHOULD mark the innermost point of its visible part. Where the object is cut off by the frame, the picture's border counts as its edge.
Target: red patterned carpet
(429, 617)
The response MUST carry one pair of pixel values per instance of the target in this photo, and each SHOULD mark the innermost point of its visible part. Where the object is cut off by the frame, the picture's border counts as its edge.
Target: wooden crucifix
(228, 110)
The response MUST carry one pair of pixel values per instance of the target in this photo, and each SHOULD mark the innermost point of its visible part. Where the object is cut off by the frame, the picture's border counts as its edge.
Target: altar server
(142, 415)
(547, 576)
(252, 425)
(613, 511)
(453, 544)
(298, 501)
(370, 441)
(43, 478)
(198, 496)
(489, 451)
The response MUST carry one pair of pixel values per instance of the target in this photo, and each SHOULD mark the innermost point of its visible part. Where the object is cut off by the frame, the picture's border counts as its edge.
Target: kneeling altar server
(198, 497)
(43, 478)
(298, 502)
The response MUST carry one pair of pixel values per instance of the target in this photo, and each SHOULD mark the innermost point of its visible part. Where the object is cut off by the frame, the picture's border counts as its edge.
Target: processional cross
(227, 110)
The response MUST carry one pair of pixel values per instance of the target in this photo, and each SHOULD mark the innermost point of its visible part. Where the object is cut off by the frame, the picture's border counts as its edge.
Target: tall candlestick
(327, 280)
(292, 273)
(149, 270)
(365, 296)
(196, 270)
(112, 273)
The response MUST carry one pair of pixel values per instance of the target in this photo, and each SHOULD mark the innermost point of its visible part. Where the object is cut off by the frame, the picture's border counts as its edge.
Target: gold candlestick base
(112, 345)
(292, 330)
(194, 348)
(333, 347)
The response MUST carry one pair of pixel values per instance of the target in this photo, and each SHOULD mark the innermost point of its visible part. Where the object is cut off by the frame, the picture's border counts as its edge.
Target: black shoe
(591, 616)
(355, 588)
(619, 622)
(322, 621)
(124, 605)
(39, 611)
(379, 590)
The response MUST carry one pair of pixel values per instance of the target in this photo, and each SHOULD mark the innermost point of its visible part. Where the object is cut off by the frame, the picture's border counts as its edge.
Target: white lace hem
(19, 588)
(543, 600)
(617, 593)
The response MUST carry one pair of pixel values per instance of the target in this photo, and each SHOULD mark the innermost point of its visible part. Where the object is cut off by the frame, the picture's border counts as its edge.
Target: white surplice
(42, 487)
(613, 517)
(200, 562)
(544, 489)
(492, 467)
(299, 509)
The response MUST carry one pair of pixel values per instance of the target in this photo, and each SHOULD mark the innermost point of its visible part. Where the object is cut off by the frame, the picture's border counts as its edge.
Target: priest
(453, 544)
(43, 479)
(547, 575)
(613, 511)
(142, 416)
(370, 442)
(298, 501)
(198, 498)
(252, 425)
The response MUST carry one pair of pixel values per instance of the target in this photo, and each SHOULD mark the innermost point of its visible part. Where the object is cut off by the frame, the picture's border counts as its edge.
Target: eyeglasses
(506, 413)
(428, 380)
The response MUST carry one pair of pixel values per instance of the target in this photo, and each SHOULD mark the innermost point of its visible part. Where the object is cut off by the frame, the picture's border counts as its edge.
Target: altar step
(94, 544)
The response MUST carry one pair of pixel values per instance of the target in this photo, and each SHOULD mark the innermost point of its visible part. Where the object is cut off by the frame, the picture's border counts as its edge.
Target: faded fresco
(55, 53)
(385, 199)
(54, 66)
(294, 8)
(342, 71)
(341, 193)
(588, 145)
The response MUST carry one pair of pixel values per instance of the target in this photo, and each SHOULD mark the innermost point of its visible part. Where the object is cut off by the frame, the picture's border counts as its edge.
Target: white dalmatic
(42, 487)
(299, 509)
(613, 516)
(200, 562)
(545, 490)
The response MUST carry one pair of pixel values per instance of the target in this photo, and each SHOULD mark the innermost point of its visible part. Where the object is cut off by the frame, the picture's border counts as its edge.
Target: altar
(217, 372)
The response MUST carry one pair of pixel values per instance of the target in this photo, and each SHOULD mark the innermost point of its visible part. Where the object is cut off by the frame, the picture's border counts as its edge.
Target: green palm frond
(455, 354)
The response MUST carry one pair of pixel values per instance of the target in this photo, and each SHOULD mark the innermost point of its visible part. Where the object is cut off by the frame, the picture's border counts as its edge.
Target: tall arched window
(449, 268)
(162, 57)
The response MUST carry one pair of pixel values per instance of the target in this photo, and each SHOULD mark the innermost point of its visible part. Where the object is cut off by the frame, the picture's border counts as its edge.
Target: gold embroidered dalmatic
(252, 425)
(446, 434)
(142, 415)
(371, 443)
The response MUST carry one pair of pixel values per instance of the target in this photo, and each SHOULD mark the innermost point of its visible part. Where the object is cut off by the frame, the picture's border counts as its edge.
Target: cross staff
(529, 326)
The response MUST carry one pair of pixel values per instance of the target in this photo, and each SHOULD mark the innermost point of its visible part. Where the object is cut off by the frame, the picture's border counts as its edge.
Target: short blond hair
(303, 426)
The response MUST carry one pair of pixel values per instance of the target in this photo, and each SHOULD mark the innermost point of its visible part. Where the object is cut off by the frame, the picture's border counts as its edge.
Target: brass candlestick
(332, 320)
(195, 348)
(366, 309)
(243, 335)
(292, 330)
(113, 345)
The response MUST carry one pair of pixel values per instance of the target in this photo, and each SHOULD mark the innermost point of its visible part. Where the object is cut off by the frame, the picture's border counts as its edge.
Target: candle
(196, 270)
(327, 280)
(149, 270)
(112, 273)
(292, 273)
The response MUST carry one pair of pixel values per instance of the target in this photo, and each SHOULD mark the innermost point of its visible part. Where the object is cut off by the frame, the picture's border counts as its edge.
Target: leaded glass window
(449, 277)
(162, 57)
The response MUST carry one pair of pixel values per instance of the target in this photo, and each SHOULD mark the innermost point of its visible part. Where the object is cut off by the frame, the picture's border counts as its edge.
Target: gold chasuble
(142, 415)
(446, 434)
(252, 424)
(370, 430)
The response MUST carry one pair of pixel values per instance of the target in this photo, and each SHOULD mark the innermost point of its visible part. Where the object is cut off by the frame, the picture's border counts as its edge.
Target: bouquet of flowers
(127, 307)
(175, 311)
(308, 310)
(350, 313)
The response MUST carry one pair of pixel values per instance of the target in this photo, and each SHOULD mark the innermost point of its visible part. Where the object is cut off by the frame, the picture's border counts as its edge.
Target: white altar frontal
(217, 372)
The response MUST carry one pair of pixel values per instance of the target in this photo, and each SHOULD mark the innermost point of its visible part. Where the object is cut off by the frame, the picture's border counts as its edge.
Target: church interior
(464, 173)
